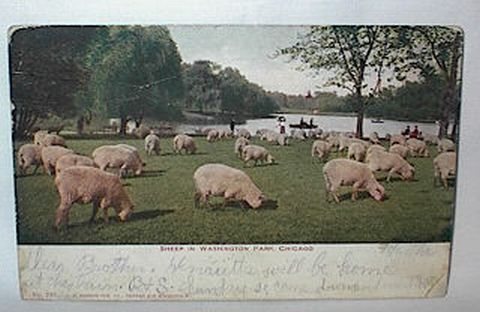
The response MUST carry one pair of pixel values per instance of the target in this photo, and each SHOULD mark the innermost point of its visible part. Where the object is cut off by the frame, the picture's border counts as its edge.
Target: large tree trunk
(360, 113)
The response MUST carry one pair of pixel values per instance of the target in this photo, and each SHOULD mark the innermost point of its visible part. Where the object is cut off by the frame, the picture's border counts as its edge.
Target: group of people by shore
(412, 134)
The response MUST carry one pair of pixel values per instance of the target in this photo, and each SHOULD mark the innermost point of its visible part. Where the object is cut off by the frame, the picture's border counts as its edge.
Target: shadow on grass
(261, 165)
(269, 204)
(134, 217)
(361, 196)
(148, 174)
(182, 154)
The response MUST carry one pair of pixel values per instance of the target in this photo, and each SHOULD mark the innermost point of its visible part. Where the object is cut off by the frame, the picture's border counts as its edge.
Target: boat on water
(303, 126)
(378, 120)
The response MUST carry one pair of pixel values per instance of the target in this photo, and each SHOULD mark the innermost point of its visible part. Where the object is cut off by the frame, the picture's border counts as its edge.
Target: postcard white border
(464, 13)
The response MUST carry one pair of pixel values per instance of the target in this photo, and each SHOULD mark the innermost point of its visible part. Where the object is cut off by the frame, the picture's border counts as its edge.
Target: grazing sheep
(356, 151)
(52, 139)
(444, 167)
(225, 133)
(86, 185)
(38, 136)
(275, 138)
(141, 132)
(430, 138)
(50, 155)
(339, 172)
(373, 137)
(244, 133)
(375, 147)
(393, 163)
(321, 149)
(184, 142)
(334, 141)
(445, 145)
(152, 144)
(118, 157)
(298, 134)
(398, 139)
(343, 143)
(29, 155)
(70, 160)
(205, 131)
(228, 182)
(315, 133)
(261, 132)
(256, 153)
(240, 143)
(212, 135)
(401, 150)
(417, 148)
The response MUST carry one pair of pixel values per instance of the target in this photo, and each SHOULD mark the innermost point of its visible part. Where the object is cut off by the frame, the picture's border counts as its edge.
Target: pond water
(326, 123)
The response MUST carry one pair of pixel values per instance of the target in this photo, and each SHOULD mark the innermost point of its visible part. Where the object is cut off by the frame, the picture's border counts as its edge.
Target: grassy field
(164, 208)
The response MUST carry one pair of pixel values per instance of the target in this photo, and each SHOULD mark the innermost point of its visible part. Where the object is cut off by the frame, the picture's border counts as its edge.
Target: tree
(136, 72)
(202, 85)
(45, 73)
(438, 49)
(350, 54)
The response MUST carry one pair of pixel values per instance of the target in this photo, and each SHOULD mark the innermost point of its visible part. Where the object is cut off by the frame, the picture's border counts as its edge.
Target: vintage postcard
(228, 162)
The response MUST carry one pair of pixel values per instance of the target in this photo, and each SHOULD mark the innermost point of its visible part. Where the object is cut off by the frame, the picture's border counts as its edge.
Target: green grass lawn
(164, 208)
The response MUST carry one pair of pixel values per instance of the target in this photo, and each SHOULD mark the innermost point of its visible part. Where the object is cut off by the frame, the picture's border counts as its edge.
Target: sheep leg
(389, 176)
(445, 182)
(62, 213)
(196, 199)
(104, 204)
(95, 207)
(354, 192)
(335, 196)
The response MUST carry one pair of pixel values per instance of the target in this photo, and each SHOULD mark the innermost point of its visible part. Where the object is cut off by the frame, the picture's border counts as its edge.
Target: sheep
(129, 147)
(38, 136)
(417, 148)
(430, 138)
(118, 157)
(393, 163)
(445, 145)
(401, 150)
(212, 135)
(244, 133)
(256, 153)
(184, 142)
(29, 155)
(225, 133)
(228, 182)
(356, 151)
(298, 134)
(84, 185)
(240, 143)
(444, 167)
(152, 144)
(275, 138)
(338, 172)
(375, 147)
(205, 131)
(321, 149)
(260, 132)
(398, 139)
(373, 137)
(141, 132)
(70, 160)
(52, 139)
(315, 133)
(50, 155)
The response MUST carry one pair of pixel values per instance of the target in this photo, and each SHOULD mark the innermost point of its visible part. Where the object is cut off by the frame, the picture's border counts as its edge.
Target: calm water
(326, 123)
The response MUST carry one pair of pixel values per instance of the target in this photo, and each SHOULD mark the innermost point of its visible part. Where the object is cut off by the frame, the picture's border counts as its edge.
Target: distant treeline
(414, 101)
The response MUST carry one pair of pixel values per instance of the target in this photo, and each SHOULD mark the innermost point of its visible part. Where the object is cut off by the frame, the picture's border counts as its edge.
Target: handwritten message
(233, 272)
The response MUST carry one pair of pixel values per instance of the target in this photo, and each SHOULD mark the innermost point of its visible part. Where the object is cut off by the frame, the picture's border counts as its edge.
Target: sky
(250, 49)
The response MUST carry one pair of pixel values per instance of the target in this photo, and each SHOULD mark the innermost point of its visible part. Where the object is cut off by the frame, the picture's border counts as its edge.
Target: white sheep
(117, 157)
(298, 134)
(240, 143)
(29, 155)
(212, 135)
(391, 163)
(373, 137)
(256, 153)
(152, 144)
(321, 149)
(399, 149)
(445, 145)
(375, 147)
(398, 139)
(184, 142)
(444, 167)
(345, 172)
(50, 155)
(52, 139)
(70, 160)
(38, 136)
(430, 138)
(85, 185)
(225, 181)
(356, 151)
(244, 133)
(417, 148)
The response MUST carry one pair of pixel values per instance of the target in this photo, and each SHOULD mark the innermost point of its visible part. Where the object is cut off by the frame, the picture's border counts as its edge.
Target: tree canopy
(135, 72)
